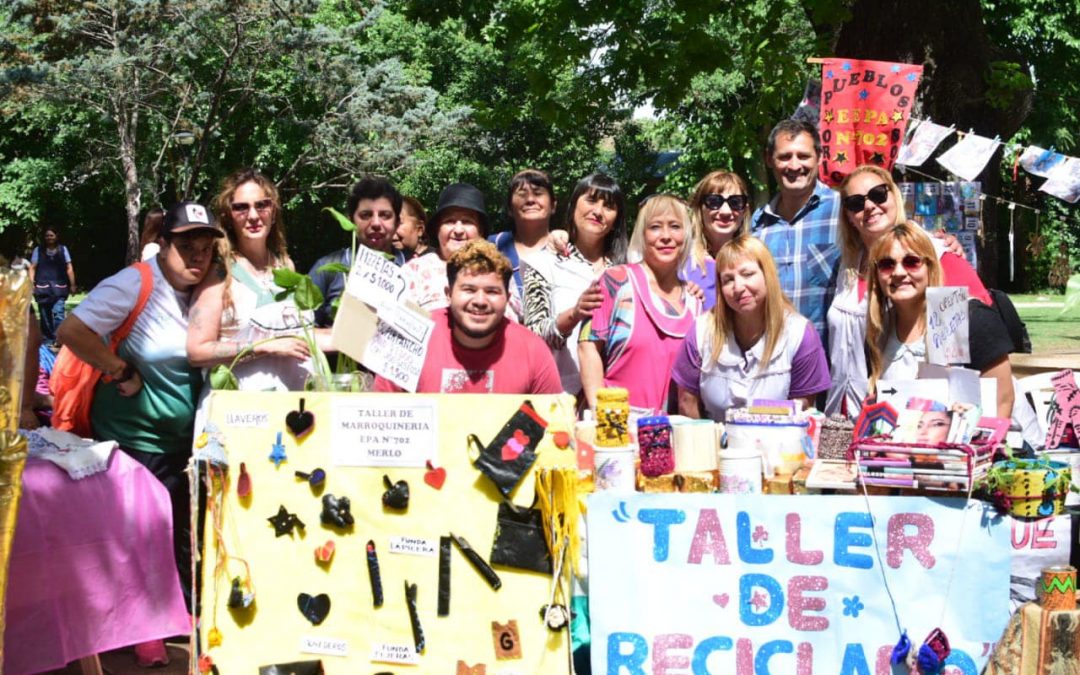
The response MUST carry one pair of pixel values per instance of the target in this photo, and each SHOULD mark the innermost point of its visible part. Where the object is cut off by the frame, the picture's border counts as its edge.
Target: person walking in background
(53, 278)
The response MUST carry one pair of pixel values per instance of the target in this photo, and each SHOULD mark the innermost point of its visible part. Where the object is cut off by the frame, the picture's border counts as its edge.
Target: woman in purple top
(752, 345)
(719, 210)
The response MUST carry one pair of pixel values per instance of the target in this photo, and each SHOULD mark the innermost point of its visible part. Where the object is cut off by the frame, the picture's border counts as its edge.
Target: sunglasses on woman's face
(262, 206)
(715, 202)
(878, 194)
(909, 262)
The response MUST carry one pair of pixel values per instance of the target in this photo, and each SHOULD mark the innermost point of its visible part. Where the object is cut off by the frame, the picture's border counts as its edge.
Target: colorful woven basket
(1029, 488)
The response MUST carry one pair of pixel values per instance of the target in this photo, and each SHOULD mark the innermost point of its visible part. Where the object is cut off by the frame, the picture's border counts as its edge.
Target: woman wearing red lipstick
(904, 263)
(561, 289)
(235, 309)
(753, 344)
(634, 334)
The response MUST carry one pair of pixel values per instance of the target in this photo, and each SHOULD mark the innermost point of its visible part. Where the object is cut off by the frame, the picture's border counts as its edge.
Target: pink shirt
(516, 362)
(639, 339)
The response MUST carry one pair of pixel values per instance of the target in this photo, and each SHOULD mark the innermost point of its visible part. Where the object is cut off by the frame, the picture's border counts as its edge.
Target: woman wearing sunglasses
(720, 211)
(561, 289)
(904, 263)
(753, 344)
(871, 204)
(234, 308)
(645, 311)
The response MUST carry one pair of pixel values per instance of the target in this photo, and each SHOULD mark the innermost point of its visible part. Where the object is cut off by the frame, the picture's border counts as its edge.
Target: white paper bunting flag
(922, 143)
(1039, 162)
(1064, 181)
(968, 158)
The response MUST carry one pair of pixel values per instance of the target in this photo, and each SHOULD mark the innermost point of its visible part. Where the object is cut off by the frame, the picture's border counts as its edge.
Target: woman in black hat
(459, 218)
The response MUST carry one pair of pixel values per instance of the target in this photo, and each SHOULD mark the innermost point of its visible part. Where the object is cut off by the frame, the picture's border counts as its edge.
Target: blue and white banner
(751, 585)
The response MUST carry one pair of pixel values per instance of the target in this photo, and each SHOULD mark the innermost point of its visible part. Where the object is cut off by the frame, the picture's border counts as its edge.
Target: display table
(91, 566)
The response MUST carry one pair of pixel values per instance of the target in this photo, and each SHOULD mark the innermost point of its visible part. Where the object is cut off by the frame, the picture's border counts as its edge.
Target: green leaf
(222, 379)
(307, 294)
(287, 278)
(343, 222)
(334, 267)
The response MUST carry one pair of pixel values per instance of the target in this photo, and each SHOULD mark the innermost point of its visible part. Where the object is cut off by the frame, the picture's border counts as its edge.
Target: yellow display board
(354, 428)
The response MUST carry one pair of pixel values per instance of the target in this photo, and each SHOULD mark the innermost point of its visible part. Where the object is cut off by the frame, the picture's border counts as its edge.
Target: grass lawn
(1050, 331)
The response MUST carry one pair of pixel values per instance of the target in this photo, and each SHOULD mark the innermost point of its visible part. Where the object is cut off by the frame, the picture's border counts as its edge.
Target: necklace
(935, 648)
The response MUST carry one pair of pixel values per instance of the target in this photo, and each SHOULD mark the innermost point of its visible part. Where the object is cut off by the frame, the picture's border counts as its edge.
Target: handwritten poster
(865, 107)
(375, 327)
(947, 325)
(762, 584)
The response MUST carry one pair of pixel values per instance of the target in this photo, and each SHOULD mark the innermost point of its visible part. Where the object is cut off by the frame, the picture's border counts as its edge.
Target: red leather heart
(520, 437)
(325, 552)
(435, 477)
(511, 450)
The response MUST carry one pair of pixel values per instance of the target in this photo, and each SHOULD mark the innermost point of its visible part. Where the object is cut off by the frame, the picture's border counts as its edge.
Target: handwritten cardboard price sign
(865, 107)
(947, 325)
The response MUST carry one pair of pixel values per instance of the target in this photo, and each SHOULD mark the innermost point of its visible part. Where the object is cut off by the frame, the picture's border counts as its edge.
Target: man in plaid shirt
(799, 224)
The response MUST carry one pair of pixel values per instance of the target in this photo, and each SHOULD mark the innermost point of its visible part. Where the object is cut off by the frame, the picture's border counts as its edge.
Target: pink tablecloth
(91, 567)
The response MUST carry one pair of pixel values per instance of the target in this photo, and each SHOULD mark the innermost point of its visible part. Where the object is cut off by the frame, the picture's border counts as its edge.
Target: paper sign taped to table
(375, 327)
(897, 393)
(383, 431)
(947, 325)
(964, 385)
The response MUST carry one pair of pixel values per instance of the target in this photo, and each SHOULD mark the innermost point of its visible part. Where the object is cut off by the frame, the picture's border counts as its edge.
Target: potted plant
(307, 297)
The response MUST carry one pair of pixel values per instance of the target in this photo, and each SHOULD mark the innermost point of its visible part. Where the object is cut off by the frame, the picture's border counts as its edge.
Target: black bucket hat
(458, 195)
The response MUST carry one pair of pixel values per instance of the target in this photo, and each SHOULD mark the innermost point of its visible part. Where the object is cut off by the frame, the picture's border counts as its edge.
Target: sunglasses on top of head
(262, 206)
(910, 262)
(878, 194)
(715, 202)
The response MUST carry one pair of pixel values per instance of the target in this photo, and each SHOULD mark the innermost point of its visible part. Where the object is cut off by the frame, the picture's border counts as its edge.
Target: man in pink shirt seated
(474, 349)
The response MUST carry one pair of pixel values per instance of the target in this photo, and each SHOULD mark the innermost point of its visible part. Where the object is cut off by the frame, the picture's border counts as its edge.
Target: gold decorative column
(14, 313)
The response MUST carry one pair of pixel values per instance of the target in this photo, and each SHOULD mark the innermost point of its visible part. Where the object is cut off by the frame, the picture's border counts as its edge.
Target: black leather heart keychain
(300, 422)
(314, 608)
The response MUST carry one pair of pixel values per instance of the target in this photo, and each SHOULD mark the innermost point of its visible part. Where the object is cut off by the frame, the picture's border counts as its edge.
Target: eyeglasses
(262, 206)
(910, 262)
(879, 195)
(715, 202)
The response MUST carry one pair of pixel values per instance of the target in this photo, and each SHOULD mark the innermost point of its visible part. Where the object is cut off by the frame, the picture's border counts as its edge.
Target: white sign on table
(947, 325)
(383, 431)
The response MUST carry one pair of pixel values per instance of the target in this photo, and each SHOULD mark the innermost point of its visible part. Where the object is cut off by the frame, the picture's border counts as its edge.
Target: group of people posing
(816, 295)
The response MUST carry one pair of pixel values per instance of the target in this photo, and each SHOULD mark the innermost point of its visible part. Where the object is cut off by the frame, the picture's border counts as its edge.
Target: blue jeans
(50, 316)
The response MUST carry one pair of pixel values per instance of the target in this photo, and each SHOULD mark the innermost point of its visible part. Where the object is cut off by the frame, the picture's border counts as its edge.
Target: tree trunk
(127, 123)
(951, 42)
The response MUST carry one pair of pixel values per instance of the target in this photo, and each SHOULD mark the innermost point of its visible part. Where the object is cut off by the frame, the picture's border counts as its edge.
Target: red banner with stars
(865, 107)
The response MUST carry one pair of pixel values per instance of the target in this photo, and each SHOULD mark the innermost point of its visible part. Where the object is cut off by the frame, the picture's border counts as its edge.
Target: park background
(110, 107)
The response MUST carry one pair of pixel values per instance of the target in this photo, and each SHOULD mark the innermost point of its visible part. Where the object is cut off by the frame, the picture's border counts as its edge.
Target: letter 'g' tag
(506, 639)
